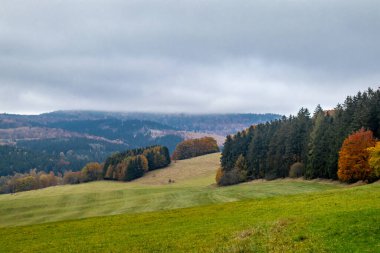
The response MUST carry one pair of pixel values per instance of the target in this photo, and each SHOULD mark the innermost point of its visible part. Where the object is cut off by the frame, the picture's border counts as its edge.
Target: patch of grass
(194, 186)
(341, 220)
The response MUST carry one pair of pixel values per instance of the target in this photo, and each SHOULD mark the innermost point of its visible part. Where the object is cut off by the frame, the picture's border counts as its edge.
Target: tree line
(134, 163)
(34, 179)
(195, 147)
(308, 144)
(123, 166)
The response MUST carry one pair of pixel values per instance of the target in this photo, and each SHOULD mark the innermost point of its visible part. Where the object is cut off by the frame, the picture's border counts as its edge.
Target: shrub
(218, 176)
(232, 177)
(92, 172)
(296, 170)
(46, 180)
(25, 183)
(71, 177)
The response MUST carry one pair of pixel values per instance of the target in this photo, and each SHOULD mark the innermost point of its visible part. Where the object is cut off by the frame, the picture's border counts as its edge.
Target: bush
(46, 180)
(71, 177)
(26, 183)
(92, 172)
(218, 176)
(232, 177)
(296, 170)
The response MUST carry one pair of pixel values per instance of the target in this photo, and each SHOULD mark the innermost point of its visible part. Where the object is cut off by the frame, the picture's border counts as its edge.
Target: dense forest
(310, 144)
(195, 147)
(57, 155)
(134, 163)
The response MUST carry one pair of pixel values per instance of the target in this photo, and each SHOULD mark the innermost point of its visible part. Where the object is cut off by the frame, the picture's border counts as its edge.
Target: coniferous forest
(306, 144)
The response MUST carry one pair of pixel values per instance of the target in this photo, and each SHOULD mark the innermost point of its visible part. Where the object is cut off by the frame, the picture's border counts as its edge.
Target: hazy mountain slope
(220, 124)
(69, 139)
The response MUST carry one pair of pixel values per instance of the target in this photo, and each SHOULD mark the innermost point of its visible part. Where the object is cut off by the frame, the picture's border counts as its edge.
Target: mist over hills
(221, 124)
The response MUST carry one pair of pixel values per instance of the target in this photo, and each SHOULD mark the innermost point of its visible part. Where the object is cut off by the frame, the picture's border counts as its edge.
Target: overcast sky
(186, 56)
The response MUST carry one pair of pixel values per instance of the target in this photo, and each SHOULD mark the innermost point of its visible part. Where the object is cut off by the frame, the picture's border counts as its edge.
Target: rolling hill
(194, 185)
(67, 140)
(192, 215)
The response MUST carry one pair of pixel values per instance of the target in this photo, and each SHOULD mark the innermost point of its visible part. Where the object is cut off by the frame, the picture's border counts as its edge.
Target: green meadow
(193, 186)
(192, 215)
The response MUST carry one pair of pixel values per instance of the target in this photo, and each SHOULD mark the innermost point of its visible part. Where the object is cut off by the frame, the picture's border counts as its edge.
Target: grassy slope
(342, 220)
(193, 186)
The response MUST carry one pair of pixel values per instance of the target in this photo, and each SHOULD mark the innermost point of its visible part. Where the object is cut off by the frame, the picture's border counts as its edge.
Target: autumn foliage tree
(73, 177)
(374, 159)
(28, 181)
(353, 157)
(133, 163)
(92, 172)
(195, 147)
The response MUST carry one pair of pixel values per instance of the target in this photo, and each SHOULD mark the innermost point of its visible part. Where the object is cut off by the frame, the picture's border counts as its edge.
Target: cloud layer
(186, 56)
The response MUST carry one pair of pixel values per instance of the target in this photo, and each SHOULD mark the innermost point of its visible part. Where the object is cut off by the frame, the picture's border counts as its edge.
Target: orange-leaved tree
(353, 157)
(374, 159)
(195, 147)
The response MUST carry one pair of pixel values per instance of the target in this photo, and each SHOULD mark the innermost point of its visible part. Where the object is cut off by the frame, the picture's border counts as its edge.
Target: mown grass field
(194, 186)
(342, 220)
(192, 215)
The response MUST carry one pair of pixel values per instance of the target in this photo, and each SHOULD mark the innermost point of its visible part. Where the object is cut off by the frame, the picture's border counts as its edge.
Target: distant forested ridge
(132, 164)
(57, 154)
(67, 140)
(311, 143)
(60, 145)
(220, 124)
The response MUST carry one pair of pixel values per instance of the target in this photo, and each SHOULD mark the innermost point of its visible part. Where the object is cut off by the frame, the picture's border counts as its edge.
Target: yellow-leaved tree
(374, 159)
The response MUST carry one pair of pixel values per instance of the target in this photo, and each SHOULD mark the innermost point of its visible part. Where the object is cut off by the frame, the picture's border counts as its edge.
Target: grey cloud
(191, 56)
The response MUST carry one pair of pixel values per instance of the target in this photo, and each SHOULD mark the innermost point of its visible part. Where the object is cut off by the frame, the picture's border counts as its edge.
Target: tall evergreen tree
(271, 148)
